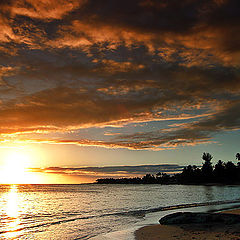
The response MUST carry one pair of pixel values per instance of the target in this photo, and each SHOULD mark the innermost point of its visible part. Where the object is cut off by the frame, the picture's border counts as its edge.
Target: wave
(179, 206)
(140, 212)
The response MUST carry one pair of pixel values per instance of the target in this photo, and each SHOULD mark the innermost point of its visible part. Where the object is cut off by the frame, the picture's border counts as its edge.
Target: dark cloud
(197, 132)
(191, 29)
(113, 171)
(67, 65)
(194, 133)
(195, 29)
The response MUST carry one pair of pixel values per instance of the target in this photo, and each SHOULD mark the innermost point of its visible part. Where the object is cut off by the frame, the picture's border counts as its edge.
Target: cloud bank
(113, 171)
(70, 65)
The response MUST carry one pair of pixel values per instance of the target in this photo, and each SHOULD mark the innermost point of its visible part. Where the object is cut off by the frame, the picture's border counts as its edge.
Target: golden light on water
(12, 211)
(12, 206)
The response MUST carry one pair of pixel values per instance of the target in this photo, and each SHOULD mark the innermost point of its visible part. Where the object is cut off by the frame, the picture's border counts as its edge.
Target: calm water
(91, 211)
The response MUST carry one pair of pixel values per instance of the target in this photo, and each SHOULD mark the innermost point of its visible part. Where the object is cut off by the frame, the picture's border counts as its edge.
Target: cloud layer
(114, 171)
(69, 65)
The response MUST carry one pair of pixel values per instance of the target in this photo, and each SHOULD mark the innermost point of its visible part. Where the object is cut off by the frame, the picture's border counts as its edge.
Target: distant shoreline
(186, 184)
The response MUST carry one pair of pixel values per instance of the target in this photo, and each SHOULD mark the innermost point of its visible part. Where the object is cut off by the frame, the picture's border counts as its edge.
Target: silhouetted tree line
(224, 173)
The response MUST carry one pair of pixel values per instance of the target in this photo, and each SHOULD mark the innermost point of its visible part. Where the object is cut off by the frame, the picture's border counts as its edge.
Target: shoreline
(214, 231)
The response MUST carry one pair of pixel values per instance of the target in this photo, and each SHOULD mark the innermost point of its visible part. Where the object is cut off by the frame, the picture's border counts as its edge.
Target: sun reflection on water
(12, 206)
(12, 211)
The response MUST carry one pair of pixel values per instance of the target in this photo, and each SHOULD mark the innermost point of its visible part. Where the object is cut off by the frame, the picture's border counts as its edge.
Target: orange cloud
(67, 108)
(78, 64)
(45, 9)
(113, 66)
(178, 35)
(204, 37)
(6, 33)
(114, 171)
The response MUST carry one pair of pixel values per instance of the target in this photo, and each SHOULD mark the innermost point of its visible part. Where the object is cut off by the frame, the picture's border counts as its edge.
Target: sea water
(91, 211)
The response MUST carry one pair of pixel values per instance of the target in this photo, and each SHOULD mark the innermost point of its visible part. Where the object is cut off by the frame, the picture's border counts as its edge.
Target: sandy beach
(213, 231)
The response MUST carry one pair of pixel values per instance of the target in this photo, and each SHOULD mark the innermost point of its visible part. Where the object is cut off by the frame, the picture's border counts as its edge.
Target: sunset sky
(89, 86)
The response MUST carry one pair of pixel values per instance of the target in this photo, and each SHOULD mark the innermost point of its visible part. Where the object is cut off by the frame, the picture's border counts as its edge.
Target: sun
(14, 169)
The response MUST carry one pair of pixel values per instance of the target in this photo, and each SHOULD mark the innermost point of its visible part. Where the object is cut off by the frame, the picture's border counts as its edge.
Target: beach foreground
(201, 231)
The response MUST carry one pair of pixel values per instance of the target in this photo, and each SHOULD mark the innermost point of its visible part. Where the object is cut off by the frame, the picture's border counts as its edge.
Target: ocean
(91, 211)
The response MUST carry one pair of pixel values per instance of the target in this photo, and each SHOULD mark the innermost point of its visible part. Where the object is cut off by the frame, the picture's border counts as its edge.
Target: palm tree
(238, 156)
(207, 157)
(207, 169)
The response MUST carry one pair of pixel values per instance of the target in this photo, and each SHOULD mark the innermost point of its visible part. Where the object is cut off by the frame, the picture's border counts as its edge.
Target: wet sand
(191, 231)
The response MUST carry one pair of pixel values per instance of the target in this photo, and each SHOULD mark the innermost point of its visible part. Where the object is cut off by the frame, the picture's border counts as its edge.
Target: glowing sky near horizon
(93, 83)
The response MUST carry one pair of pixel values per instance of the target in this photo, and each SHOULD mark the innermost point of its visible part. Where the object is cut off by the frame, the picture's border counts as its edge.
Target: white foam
(127, 234)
